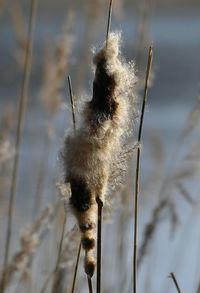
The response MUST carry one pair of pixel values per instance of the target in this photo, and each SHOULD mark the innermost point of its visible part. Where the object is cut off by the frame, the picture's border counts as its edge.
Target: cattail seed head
(91, 153)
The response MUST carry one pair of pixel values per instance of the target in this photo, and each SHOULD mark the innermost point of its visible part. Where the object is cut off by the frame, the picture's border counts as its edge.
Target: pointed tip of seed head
(90, 265)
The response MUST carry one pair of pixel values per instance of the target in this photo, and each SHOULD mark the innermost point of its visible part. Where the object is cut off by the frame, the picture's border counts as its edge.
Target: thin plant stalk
(72, 102)
(99, 227)
(90, 285)
(19, 135)
(76, 268)
(109, 21)
(175, 282)
(137, 176)
(98, 200)
(54, 287)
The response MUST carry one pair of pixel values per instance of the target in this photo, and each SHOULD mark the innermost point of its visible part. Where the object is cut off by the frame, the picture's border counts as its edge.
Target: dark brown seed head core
(103, 103)
(90, 268)
(88, 243)
(81, 195)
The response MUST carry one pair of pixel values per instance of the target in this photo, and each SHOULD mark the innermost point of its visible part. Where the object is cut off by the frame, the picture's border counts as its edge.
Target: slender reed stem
(44, 287)
(76, 268)
(72, 102)
(90, 285)
(19, 135)
(54, 287)
(137, 176)
(74, 124)
(109, 21)
(99, 225)
(175, 282)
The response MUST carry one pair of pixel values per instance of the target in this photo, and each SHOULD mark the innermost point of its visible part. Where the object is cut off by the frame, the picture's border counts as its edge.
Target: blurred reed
(19, 136)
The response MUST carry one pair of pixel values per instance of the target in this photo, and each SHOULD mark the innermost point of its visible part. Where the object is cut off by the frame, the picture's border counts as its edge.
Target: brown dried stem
(19, 135)
(109, 21)
(137, 179)
(90, 285)
(76, 268)
(72, 102)
(31, 239)
(175, 282)
(99, 225)
(54, 287)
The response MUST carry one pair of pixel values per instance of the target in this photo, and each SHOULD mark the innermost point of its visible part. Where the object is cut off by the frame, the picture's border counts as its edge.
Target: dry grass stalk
(174, 176)
(72, 103)
(30, 241)
(142, 39)
(90, 285)
(150, 229)
(99, 227)
(55, 68)
(6, 151)
(6, 156)
(137, 180)
(19, 135)
(66, 264)
(66, 268)
(76, 268)
(109, 21)
(55, 282)
(175, 282)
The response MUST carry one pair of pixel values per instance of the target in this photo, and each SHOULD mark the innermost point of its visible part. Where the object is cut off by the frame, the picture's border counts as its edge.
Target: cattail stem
(19, 135)
(137, 179)
(90, 285)
(76, 268)
(54, 287)
(72, 102)
(109, 21)
(175, 282)
(99, 225)
(74, 124)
